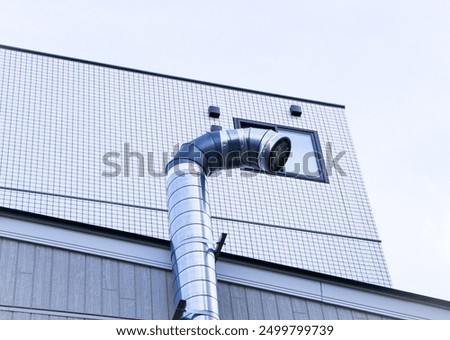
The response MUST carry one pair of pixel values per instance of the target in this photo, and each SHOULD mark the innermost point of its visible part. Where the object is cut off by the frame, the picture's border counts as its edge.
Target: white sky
(387, 61)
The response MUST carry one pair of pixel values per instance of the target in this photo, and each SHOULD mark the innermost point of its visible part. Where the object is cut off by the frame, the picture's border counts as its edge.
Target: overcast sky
(387, 61)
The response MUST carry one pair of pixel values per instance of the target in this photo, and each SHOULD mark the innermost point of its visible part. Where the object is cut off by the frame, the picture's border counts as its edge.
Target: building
(84, 231)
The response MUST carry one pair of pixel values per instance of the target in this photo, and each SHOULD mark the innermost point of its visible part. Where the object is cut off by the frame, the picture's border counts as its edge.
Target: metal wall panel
(8, 263)
(76, 293)
(107, 288)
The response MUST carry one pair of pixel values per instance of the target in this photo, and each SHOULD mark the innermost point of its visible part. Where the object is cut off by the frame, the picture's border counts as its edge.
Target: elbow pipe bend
(191, 235)
(258, 149)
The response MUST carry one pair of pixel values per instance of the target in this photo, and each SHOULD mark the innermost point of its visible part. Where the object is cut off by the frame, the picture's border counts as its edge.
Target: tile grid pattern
(58, 119)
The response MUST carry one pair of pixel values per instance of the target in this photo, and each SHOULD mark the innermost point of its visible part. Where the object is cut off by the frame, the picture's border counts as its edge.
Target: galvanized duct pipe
(191, 236)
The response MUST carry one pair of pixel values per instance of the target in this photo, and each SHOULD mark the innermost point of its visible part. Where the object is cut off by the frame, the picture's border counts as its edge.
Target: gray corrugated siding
(40, 282)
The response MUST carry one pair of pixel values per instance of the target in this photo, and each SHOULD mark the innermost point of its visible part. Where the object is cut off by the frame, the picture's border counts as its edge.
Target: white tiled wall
(59, 117)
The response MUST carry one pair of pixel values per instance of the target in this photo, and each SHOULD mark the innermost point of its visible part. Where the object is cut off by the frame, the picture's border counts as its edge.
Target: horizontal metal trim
(296, 229)
(213, 217)
(121, 68)
(85, 242)
(54, 312)
(81, 198)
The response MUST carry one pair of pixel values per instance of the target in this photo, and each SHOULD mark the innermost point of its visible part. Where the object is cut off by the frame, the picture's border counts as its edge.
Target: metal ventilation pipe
(191, 237)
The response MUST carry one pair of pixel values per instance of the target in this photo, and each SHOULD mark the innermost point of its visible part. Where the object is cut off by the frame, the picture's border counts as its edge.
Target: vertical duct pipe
(191, 236)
